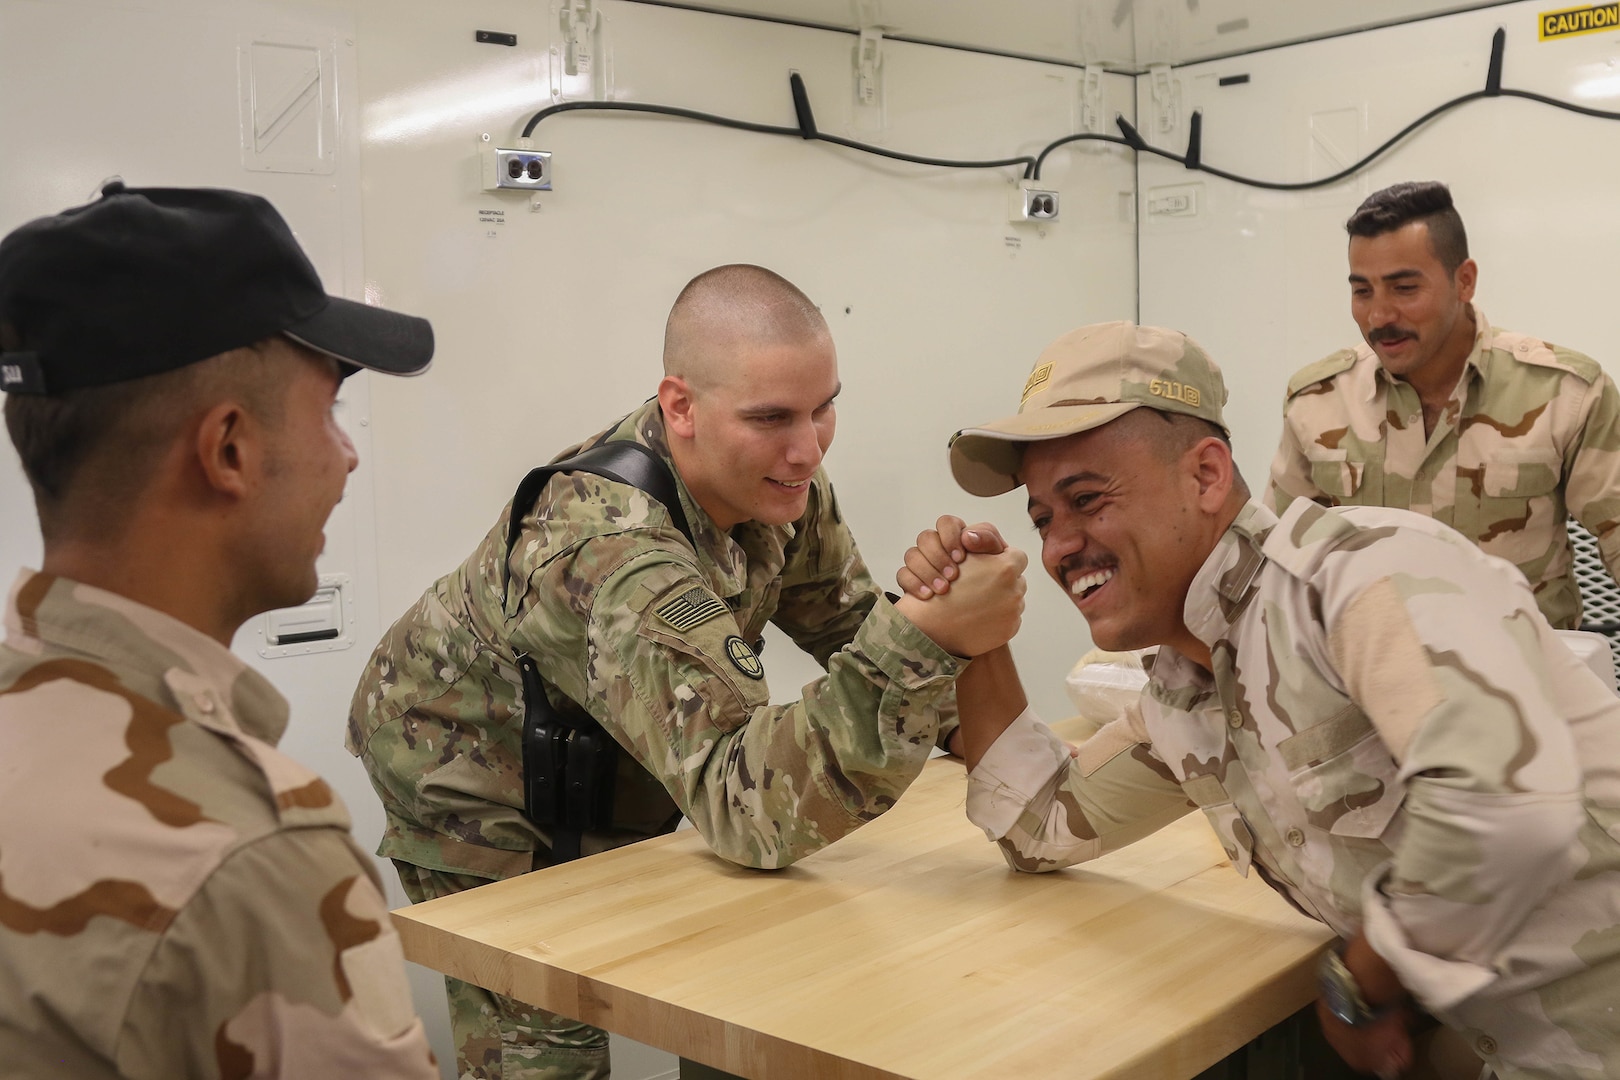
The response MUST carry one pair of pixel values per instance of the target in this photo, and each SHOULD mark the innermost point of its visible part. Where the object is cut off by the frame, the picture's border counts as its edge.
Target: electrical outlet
(522, 170)
(1032, 204)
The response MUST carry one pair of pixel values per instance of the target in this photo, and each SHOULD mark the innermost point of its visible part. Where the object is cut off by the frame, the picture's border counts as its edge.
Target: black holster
(569, 763)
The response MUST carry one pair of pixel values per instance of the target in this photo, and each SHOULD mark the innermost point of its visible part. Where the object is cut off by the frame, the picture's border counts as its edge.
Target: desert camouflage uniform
(1395, 739)
(177, 899)
(655, 640)
(1530, 435)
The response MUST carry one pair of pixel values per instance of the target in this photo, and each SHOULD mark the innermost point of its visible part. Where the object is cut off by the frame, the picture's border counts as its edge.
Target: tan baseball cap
(1083, 380)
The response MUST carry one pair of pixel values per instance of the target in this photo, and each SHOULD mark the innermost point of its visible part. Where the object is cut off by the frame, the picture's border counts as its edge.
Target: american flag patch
(694, 607)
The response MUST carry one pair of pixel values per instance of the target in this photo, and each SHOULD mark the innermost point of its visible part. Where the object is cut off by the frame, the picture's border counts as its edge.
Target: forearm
(1440, 918)
(989, 697)
(1049, 805)
(768, 784)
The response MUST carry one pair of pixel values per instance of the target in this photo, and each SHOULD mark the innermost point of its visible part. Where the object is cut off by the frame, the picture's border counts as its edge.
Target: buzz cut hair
(1426, 201)
(738, 303)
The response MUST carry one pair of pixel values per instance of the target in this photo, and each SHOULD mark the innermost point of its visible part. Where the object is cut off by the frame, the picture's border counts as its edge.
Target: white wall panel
(1260, 277)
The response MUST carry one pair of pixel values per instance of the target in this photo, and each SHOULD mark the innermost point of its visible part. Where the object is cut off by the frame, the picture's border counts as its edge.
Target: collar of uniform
(1484, 336)
(44, 610)
(1225, 583)
(1474, 362)
(722, 560)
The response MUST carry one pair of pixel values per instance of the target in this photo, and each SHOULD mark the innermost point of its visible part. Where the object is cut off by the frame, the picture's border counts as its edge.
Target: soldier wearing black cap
(177, 898)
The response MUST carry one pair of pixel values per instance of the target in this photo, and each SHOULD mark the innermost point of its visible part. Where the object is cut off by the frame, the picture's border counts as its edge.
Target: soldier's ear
(1467, 277)
(229, 448)
(676, 402)
(1212, 465)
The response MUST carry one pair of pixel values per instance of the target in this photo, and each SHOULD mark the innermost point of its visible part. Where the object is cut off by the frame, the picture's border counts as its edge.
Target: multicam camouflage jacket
(655, 638)
(177, 898)
(1395, 739)
(1530, 436)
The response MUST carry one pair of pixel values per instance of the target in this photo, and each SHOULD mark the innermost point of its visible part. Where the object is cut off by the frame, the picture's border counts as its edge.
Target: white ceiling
(1124, 35)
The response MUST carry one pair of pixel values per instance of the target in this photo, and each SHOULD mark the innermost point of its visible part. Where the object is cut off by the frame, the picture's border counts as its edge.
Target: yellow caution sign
(1581, 20)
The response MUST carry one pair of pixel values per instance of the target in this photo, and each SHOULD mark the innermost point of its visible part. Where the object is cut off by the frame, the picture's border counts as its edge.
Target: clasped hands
(964, 587)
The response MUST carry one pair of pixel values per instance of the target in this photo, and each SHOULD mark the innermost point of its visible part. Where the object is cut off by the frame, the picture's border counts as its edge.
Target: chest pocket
(1521, 474)
(1333, 473)
(1230, 828)
(1343, 775)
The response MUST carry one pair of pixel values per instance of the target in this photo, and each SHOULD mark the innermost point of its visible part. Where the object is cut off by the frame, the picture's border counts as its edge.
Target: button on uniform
(1234, 718)
(1485, 1045)
(1295, 837)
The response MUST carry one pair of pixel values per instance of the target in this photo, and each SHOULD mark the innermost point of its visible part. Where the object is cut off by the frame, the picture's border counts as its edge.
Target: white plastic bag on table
(1102, 683)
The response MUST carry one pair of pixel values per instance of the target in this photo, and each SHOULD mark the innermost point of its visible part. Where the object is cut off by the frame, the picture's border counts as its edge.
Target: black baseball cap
(147, 280)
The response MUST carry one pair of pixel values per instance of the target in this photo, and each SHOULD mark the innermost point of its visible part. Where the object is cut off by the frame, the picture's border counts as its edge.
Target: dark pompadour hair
(1428, 201)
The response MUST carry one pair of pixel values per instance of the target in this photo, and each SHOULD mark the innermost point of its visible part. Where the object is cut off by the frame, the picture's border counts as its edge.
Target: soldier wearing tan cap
(1372, 715)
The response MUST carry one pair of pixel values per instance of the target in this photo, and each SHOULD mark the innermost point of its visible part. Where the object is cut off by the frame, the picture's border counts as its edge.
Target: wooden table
(907, 949)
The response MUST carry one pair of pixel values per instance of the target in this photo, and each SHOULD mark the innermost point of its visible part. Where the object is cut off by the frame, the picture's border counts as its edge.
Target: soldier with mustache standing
(1498, 434)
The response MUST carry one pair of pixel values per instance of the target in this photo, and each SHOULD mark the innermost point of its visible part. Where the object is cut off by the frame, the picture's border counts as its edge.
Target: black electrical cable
(1193, 159)
(769, 129)
(662, 110)
(1324, 181)
(1130, 138)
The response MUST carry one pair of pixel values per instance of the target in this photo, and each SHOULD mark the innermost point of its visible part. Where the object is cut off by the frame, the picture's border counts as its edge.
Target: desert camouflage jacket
(1395, 739)
(1531, 435)
(656, 639)
(177, 899)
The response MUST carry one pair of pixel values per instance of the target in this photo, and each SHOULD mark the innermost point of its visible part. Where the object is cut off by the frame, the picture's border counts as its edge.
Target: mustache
(1389, 333)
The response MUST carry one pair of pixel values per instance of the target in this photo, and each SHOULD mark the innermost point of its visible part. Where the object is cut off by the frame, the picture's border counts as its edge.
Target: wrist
(1345, 995)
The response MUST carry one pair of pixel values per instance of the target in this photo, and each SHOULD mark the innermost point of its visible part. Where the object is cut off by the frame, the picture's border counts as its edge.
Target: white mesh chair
(1600, 596)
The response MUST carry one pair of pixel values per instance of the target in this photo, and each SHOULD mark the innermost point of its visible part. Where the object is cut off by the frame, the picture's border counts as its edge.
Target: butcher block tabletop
(906, 949)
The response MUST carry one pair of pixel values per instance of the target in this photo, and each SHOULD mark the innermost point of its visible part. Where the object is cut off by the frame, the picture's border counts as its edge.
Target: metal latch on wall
(869, 66)
(578, 19)
(1166, 93)
(323, 623)
(1091, 110)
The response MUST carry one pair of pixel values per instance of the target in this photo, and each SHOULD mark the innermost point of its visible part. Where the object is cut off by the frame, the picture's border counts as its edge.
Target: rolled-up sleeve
(1049, 805)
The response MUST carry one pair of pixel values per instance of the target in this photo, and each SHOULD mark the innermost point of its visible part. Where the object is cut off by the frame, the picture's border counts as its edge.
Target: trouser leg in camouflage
(499, 1038)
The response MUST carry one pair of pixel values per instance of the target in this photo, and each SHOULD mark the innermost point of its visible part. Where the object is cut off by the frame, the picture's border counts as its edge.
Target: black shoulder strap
(569, 760)
(625, 462)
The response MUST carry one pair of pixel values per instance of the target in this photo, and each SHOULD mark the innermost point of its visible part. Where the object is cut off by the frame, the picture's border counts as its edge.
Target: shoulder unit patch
(743, 658)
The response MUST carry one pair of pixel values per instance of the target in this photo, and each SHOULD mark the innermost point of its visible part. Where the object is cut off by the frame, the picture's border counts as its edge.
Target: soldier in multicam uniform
(1497, 434)
(653, 636)
(177, 898)
(1371, 712)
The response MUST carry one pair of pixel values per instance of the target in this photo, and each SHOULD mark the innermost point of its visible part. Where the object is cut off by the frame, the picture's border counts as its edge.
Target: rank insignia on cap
(744, 658)
(694, 607)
